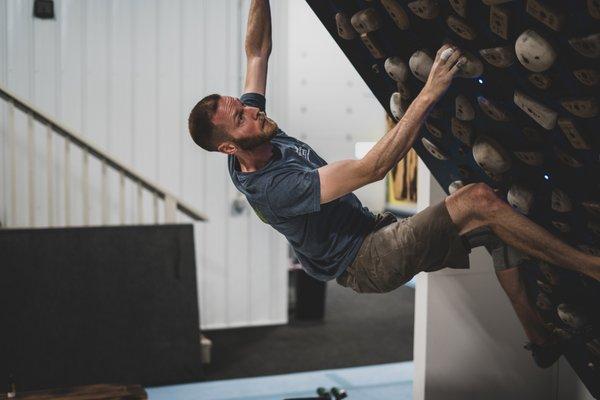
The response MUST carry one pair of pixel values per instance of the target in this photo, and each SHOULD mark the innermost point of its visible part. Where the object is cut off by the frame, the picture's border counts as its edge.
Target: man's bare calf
(532, 323)
(477, 205)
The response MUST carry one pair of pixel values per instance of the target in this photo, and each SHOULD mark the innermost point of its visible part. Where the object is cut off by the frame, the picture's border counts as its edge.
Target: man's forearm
(258, 33)
(398, 141)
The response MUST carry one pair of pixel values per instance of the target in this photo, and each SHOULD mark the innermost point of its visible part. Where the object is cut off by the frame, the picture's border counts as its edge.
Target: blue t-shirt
(286, 194)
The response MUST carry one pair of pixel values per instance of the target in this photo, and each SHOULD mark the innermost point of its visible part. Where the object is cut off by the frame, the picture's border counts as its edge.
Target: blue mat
(377, 382)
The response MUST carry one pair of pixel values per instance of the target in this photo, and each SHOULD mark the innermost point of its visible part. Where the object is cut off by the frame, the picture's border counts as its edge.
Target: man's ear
(227, 148)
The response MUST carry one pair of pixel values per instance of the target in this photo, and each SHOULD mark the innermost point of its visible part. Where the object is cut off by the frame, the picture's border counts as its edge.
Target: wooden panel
(145, 90)
(278, 108)
(20, 65)
(278, 312)
(44, 97)
(96, 73)
(120, 140)
(261, 275)
(169, 84)
(216, 179)
(192, 157)
(3, 118)
(238, 234)
(72, 89)
(57, 142)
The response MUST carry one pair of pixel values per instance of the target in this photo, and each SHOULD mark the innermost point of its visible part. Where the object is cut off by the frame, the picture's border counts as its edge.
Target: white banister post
(104, 195)
(13, 163)
(86, 188)
(31, 169)
(122, 198)
(170, 209)
(49, 175)
(140, 204)
(67, 178)
(155, 206)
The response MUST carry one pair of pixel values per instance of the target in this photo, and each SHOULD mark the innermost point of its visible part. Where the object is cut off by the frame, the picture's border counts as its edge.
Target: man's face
(247, 127)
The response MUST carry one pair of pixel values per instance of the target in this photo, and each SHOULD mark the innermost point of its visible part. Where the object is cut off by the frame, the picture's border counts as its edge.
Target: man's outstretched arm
(258, 46)
(342, 177)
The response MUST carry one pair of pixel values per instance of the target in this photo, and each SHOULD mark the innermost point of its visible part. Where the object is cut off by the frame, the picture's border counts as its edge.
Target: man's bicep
(343, 177)
(256, 75)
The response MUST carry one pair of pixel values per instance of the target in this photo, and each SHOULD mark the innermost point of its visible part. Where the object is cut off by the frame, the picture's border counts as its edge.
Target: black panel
(581, 183)
(99, 305)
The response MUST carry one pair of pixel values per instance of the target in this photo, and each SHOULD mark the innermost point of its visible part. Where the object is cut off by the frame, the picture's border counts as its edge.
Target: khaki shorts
(397, 250)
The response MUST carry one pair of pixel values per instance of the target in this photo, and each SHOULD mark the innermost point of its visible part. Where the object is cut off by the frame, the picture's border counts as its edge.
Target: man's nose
(254, 112)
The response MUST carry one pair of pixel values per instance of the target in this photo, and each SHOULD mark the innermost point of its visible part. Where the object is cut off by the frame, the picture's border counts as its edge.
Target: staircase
(172, 204)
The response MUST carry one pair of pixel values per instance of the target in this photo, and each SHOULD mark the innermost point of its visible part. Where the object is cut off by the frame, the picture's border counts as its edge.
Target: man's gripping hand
(447, 63)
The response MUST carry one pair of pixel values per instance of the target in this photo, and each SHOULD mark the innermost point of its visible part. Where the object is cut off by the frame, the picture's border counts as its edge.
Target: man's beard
(269, 130)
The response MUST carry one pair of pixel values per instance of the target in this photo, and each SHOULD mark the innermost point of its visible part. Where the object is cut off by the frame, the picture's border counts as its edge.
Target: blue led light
(480, 81)
(546, 177)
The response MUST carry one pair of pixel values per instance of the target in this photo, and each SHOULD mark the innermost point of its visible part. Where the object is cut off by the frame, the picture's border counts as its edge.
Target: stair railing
(172, 204)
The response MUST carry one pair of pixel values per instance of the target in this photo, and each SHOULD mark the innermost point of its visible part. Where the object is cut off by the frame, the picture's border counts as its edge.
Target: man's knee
(482, 199)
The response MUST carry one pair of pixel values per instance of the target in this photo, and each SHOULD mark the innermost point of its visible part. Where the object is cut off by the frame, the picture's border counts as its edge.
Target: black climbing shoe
(544, 356)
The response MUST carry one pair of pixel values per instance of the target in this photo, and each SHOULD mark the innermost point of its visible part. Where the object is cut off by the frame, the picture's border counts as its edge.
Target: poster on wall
(401, 182)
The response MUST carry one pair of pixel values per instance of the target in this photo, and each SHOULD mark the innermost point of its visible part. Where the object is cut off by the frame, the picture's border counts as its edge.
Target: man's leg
(533, 325)
(543, 346)
(477, 205)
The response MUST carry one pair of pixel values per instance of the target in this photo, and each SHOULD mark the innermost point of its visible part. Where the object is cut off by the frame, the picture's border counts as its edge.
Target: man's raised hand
(448, 61)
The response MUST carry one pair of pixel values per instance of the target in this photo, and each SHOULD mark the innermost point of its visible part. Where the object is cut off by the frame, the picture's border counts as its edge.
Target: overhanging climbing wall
(523, 118)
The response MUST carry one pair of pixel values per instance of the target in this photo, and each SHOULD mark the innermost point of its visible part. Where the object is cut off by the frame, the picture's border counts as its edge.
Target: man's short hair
(204, 133)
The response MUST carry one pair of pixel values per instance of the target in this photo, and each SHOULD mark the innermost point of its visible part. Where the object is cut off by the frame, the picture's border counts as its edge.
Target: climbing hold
(420, 64)
(490, 155)
(534, 52)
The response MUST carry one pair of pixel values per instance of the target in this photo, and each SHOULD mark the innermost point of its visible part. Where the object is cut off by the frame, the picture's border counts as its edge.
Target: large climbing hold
(426, 9)
(344, 27)
(500, 57)
(587, 46)
(472, 68)
(534, 52)
(366, 22)
(521, 197)
(490, 155)
(397, 13)
(541, 114)
(420, 64)
(396, 69)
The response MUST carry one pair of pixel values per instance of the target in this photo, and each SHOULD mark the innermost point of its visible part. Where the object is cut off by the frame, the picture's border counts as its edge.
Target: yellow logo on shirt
(260, 215)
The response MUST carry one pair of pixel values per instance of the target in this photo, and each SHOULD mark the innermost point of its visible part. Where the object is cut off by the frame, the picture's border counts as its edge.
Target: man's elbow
(379, 175)
(254, 52)
(372, 173)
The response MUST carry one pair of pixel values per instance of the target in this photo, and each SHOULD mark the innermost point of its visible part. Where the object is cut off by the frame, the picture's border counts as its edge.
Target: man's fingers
(446, 54)
(462, 61)
(442, 49)
(453, 58)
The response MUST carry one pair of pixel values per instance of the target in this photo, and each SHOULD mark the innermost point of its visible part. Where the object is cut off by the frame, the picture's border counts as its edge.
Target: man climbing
(311, 203)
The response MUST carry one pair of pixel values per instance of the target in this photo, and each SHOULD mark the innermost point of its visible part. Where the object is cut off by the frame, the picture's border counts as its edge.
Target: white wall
(330, 107)
(125, 74)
